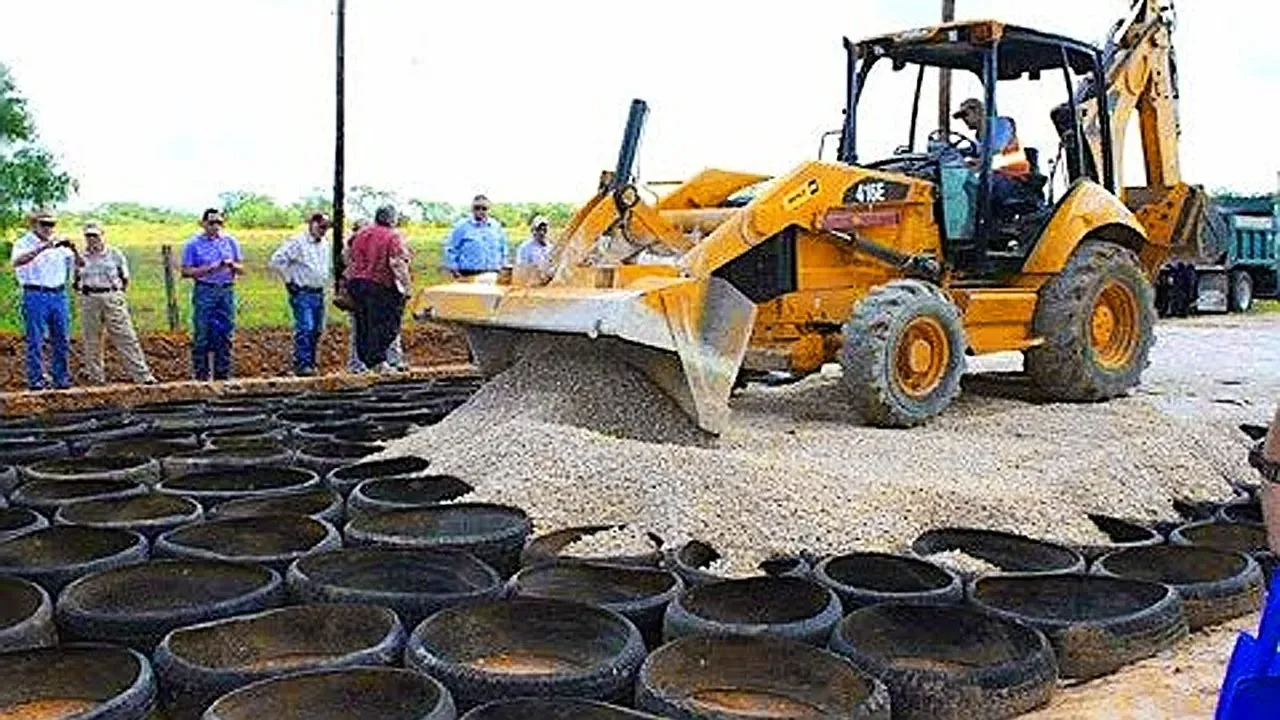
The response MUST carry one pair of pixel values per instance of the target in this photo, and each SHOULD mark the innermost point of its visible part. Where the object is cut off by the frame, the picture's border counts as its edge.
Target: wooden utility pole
(339, 151)
(170, 291)
(944, 77)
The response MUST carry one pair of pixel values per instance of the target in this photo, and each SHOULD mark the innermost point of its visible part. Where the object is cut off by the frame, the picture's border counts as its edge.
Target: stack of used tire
(236, 569)
(145, 558)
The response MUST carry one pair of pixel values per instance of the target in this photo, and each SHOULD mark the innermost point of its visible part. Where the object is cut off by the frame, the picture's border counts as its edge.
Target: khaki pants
(108, 311)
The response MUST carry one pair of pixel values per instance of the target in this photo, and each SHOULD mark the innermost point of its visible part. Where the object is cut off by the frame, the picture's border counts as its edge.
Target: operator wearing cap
(536, 251)
(43, 262)
(102, 276)
(305, 262)
(1009, 163)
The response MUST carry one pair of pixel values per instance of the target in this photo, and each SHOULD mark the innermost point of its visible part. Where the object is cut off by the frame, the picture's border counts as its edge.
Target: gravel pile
(573, 438)
(963, 563)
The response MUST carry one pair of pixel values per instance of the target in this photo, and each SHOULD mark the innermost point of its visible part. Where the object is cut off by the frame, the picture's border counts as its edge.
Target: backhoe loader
(897, 266)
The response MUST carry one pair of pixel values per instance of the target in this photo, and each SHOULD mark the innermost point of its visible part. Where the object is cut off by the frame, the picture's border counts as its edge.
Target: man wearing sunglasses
(304, 262)
(43, 262)
(213, 260)
(477, 247)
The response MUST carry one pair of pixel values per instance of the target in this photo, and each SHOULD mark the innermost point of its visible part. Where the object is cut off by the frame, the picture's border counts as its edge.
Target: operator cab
(989, 217)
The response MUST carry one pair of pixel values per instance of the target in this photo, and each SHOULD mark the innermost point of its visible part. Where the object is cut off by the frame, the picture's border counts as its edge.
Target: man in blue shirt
(1010, 168)
(477, 246)
(213, 260)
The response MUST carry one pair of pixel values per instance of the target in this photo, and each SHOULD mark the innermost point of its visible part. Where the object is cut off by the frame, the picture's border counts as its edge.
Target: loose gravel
(572, 436)
(963, 563)
(627, 540)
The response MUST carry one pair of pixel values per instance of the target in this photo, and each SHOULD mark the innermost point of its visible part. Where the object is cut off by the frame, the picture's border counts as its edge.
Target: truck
(1235, 261)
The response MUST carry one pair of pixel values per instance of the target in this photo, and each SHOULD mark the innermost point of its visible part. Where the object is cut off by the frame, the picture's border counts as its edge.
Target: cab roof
(964, 45)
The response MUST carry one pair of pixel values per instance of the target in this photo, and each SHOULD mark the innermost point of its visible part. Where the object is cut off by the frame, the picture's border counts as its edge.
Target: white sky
(169, 102)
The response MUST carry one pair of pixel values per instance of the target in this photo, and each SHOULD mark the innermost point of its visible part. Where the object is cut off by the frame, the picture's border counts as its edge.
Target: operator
(1009, 164)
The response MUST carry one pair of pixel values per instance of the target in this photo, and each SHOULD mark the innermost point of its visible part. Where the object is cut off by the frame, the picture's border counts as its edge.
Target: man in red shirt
(378, 280)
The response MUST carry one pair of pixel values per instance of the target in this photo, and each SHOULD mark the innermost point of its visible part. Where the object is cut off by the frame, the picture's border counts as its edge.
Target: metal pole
(339, 154)
(944, 77)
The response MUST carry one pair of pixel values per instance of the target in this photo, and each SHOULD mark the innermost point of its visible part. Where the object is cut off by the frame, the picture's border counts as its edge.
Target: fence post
(170, 294)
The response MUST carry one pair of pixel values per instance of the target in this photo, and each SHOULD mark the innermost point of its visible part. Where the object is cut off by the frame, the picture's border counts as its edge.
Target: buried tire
(903, 354)
(1215, 585)
(1097, 318)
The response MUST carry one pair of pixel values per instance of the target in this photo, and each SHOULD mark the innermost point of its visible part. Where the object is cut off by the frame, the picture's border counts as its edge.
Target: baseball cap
(93, 229)
(966, 106)
(43, 215)
(538, 220)
(319, 217)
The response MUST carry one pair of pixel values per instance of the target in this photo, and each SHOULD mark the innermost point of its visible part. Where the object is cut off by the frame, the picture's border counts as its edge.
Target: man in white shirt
(43, 262)
(305, 262)
(536, 250)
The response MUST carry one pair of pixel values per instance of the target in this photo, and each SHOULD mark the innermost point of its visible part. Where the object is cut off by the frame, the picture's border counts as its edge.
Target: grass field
(260, 296)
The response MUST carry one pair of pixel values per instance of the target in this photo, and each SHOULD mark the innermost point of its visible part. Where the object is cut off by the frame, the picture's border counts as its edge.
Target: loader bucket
(687, 335)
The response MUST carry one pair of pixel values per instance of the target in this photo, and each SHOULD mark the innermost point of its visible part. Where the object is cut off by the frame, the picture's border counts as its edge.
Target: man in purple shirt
(213, 260)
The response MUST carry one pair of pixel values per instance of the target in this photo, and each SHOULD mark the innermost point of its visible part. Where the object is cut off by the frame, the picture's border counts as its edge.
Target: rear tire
(1241, 297)
(903, 354)
(1096, 318)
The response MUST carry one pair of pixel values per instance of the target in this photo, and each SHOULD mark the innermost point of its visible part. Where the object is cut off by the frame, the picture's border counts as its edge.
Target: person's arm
(1270, 494)
(282, 258)
(122, 268)
(451, 251)
(189, 267)
(236, 263)
(24, 252)
(504, 249)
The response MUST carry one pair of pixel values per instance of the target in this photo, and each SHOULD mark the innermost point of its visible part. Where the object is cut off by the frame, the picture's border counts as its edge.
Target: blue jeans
(213, 314)
(46, 312)
(308, 323)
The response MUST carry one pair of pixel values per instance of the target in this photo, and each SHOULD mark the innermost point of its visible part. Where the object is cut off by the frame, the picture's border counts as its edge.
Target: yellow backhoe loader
(895, 266)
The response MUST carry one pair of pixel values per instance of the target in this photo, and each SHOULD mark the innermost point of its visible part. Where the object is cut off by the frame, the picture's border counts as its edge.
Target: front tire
(903, 354)
(1097, 318)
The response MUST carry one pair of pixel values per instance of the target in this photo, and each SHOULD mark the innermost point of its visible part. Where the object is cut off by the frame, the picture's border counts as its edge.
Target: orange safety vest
(1011, 160)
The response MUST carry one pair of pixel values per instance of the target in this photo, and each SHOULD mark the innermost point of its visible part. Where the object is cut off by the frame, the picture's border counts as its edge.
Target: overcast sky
(169, 102)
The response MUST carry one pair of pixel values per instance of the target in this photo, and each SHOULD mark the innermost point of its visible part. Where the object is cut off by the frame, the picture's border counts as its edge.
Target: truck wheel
(1096, 318)
(903, 354)
(1241, 298)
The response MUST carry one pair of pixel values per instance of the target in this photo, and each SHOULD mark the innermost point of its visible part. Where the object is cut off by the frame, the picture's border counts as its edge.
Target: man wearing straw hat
(43, 262)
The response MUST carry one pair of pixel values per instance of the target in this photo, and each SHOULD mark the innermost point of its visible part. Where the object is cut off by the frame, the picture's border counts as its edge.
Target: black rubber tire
(871, 338)
(252, 437)
(298, 418)
(381, 495)
(324, 432)
(367, 692)
(49, 495)
(198, 664)
(602, 649)
(203, 423)
(379, 432)
(271, 540)
(320, 503)
(235, 460)
(1008, 551)
(15, 522)
(151, 515)
(786, 607)
(323, 458)
(55, 556)
(1215, 585)
(345, 478)
(26, 616)
(22, 452)
(1248, 538)
(414, 583)
(1240, 295)
(157, 444)
(639, 594)
(866, 578)
(972, 665)
(211, 489)
(1065, 367)
(493, 533)
(8, 479)
(140, 469)
(137, 605)
(724, 678)
(121, 428)
(1123, 533)
(1139, 618)
(1247, 511)
(117, 680)
(553, 709)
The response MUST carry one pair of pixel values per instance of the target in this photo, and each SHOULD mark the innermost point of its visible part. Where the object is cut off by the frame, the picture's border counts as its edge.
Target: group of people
(374, 289)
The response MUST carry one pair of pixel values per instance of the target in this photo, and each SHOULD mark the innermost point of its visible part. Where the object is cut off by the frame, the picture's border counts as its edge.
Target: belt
(473, 273)
(213, 284)
(42, 288)
(96, 290)
(294, 289)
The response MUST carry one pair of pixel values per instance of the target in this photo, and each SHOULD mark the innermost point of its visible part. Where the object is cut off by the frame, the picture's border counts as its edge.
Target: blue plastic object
(1251, 688)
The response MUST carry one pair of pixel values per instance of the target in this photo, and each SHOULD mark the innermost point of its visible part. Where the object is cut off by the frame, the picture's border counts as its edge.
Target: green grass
(260, 296)
(1266, 306)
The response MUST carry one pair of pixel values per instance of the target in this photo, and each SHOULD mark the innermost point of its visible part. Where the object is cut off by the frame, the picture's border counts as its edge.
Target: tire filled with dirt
(367, 692)
(26, 616)
(90, 682)
(55, 556)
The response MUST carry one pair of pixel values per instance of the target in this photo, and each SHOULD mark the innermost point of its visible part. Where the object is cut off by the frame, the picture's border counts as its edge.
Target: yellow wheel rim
(922, 356)
(1114, 326)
